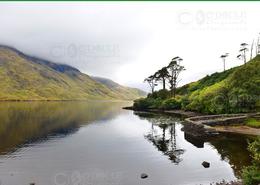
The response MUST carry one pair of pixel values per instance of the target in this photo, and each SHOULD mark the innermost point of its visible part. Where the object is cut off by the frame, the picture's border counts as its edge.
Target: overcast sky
(127, 41)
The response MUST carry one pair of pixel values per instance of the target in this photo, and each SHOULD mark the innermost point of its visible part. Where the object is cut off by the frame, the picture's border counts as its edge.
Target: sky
(128, 41)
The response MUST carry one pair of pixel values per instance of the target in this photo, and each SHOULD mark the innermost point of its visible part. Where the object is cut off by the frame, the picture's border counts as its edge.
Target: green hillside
(23, 77)
(235, 90)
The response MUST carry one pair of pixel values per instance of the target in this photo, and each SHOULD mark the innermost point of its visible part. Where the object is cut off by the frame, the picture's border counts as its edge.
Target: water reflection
(163, 135)
(39, 140)
(232, 148)
(198, 142)
(31, 122)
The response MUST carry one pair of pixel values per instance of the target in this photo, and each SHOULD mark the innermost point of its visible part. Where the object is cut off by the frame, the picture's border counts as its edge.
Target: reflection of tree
(163, 136)
(231, 147)
(196, 141)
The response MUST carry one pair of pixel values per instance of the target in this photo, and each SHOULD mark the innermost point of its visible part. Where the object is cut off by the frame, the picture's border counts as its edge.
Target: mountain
(24, 77)
(232, 91)
(126, 92)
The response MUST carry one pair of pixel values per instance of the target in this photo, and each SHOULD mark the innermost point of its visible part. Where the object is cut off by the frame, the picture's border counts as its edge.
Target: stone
(205, 164)
(144, 175)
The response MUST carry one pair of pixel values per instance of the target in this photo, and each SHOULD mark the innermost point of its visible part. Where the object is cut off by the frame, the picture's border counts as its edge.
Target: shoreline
(202, 125)
(49, 100)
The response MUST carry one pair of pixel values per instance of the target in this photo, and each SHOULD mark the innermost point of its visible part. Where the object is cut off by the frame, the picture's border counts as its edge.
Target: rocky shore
(200, 125)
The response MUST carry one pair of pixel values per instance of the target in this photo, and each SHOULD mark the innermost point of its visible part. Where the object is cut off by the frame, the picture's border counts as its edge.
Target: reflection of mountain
(27, 122)
(163, 136)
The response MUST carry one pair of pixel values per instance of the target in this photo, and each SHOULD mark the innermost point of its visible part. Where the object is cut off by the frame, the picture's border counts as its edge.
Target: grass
(233, 91)
(23, 79)
(252, 122)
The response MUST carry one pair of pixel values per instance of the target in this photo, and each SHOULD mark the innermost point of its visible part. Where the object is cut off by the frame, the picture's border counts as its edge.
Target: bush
(171, 104)
(142, 103)
(147, 103)
(162, 94)
(184, 102)
(251, 174)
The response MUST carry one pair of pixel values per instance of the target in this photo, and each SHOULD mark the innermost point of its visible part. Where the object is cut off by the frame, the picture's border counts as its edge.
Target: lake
(99, 143)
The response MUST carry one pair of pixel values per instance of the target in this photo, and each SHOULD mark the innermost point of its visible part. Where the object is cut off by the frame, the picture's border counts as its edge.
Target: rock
(32, 183)
(144, 175)
(205, 164)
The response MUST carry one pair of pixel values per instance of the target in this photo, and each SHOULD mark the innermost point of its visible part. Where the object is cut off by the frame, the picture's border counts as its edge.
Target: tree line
(170, 74)
(167, 75)
(243, 52)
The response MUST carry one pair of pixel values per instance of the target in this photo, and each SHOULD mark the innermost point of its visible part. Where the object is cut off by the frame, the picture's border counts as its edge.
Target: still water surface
(98, 143)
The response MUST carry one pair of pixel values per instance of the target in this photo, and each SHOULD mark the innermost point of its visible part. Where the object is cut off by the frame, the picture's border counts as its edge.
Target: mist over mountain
(25, 77)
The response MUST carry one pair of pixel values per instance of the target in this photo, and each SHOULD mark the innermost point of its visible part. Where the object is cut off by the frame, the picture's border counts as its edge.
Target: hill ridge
(24, 77)
(235, 90)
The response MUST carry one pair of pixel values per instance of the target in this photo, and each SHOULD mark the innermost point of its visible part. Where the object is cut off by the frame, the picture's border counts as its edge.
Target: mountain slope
(23, 77)
(119, 89)
(235, 90)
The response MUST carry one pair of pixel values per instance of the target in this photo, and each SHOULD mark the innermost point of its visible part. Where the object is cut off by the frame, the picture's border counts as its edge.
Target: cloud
(126, 41)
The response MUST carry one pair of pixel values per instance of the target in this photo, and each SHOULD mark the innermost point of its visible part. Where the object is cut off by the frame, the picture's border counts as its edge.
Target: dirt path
(238, 129)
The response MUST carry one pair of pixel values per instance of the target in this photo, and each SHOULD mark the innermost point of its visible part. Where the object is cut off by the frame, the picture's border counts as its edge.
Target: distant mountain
(24, 77)
(119, 89)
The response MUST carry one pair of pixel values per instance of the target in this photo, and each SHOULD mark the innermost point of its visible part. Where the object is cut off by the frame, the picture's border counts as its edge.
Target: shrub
(162, 94)
(251, 174)
(171, 104)
(147, 103)
(184, 102)
(142, 103)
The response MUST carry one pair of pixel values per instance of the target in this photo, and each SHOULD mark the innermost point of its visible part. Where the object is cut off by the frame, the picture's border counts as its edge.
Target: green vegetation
(252, 122)
(28, 78)
(233, 91)
(251, 174)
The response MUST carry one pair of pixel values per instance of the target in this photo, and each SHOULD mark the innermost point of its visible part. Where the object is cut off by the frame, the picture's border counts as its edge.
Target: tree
(243, 51)
(239, 57)
(175, 69)
(162, 75)
(224, 59)
(251, 50)
(258, 45)
(151, 80)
